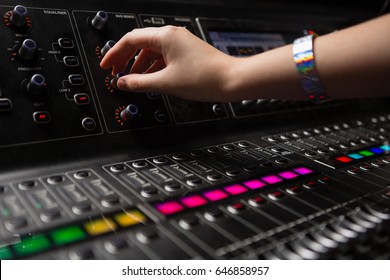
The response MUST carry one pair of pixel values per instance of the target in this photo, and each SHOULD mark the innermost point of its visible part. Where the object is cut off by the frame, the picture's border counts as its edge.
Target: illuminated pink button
(193, 201)
(303, 170)
(254, 184)
(215, 195)
(272, 179)
(235, 189)
(170, 207)
(288, 174)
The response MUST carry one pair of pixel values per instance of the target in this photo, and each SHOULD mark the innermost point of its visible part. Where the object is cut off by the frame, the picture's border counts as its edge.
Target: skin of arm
(351, 63)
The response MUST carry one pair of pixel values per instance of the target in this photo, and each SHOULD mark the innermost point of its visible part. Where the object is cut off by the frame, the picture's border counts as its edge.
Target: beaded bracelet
(304, 61)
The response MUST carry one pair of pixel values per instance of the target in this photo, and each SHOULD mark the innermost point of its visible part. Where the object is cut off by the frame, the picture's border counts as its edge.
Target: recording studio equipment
(90, 172)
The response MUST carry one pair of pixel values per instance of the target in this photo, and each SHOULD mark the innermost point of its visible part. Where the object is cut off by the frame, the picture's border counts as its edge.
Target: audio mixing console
(90, 172)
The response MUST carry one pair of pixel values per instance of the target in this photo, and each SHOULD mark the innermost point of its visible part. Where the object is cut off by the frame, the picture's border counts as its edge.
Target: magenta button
(303, 170)
(235, 189)
(272, 179)
(170, 207)
(254, 184)
(215, 195)
(288, 174)
(193, 201)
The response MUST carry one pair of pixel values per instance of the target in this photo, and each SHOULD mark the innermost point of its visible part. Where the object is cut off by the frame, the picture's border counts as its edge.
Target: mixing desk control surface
(91, 172)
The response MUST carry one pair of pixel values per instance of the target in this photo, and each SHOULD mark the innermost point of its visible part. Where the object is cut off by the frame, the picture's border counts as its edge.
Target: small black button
(256, 201)
(139, 164)
(2, 189)
(354, 171)
(147, 235)
(189, 222)
(110, 200)
(81, 254)
(76, 80)
(160, 160)
(81, 207)
(281, 161)
(266, 164)
(118, 168)
(194, 182)
(71, 61)
(310, 154)
(213, 214)
(172, 187)
(294, 189)
(196, 153)
(81, 174)
(26, 185)
(251, 168)
(66, 43)
(53, 180)
(366, 167)
(81, 99)
(16, 224)
(233, 172)
(50, 215)
(179, 156)
(310, 184)
(325, 180)
(218, 109)
(213, 150)
(160, 116)
(243, 144)
(236, 208)
(214, 177)
(5, 105)
(41, 117)
(229, 147)
(88, 124)
(149, 191)
(115, 244)
(153, 95)
(276, 195)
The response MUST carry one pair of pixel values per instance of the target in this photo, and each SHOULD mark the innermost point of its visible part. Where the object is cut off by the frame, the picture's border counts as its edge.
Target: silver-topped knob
(100, 20)
(37, 86)
(108, 46)
(129, 112)
(28, 49)
(114, 80)
(19, 15)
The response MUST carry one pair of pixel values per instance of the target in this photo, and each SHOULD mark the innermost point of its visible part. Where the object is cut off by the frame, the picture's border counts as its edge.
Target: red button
(275, 195)
(41, 117)
(81, 99)
(344, 159)
(293, 190)
(256, 201)
(310, 184)
(325, 180)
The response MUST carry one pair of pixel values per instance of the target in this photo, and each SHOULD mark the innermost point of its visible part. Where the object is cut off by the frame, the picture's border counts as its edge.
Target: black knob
(114, 81)
(100, 20)
(28, 50)
(129, 112)
(37, 87)
(107, 47)
(19, 15)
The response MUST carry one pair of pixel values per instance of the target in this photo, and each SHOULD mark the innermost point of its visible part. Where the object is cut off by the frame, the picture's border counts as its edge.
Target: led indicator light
(169, 208)
(377, 150)
(193, 201)
(355, 156)
(272, 179)
(303, 170)
(215, 195)
(288, 175)
(254, 184)
(366, 153)
(385, 147)
(235, 189)
(344, 159)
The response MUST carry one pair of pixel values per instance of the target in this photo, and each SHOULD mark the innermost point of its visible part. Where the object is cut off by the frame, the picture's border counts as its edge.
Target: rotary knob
(114, 81)
(100, 20)
(19, 16)
(28, 50)
(108, 46)
(129, 113)
(36, 86)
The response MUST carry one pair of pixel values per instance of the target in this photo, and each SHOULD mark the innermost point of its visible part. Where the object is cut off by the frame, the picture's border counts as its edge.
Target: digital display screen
(245, 43)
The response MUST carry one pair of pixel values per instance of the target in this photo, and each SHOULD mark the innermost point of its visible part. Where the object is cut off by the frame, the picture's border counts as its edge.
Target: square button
(100, 226)
(130, 218)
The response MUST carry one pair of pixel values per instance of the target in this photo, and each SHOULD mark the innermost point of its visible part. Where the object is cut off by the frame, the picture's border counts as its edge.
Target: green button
(5, 253)
(366, 153)
(31, 245)
(67, 235)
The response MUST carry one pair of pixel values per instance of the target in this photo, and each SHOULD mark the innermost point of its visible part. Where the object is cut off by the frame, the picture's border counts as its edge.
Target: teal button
(355, 156)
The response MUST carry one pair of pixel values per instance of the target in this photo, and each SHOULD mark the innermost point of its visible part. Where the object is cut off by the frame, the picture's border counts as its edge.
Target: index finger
(125, 49)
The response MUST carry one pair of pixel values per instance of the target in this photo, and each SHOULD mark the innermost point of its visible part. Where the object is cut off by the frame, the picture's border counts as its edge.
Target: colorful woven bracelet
(304, 61)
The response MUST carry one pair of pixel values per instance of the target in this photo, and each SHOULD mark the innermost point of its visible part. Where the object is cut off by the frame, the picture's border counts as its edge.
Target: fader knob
(129, 112)
(100, 20)
(28, 50)
(19, 15)
(107, 47)
(113, 82)
(37, 87)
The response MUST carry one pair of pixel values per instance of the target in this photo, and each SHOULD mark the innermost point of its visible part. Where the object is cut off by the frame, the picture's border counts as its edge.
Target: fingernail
(122, 84)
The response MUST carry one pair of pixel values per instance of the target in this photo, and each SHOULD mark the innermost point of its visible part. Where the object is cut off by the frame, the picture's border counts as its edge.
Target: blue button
(377, 150)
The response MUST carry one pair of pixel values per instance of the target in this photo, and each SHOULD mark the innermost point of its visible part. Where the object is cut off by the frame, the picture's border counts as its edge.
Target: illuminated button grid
(191, 201)
(71, 234)
(363, 154)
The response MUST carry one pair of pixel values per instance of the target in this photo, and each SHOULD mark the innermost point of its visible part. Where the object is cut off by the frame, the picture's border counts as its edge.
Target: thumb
(151, 82)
